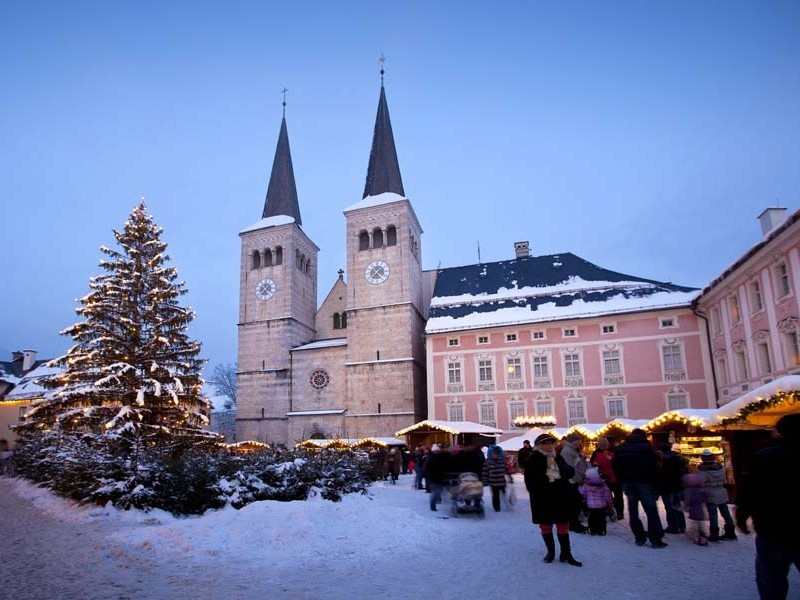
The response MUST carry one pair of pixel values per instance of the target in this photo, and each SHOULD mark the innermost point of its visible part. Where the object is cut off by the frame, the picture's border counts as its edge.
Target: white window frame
(544, 406)
(453, 342)
(672, 396)
(783, 284)
(721, 363)
(485, 370)
(539, 334)
(483, 339)
(454, 368)
(755, 296)
(487, 412)
(617, 399)
(734, 308)
(577, 373)
(766, 365)
(455, 408)
(576, 409)
(716, 320)
(517, 407)
(569, 332)
(512, 337)
(514, 371)
(740, 362)
(671, 371)
(608, 328)
(667, 322)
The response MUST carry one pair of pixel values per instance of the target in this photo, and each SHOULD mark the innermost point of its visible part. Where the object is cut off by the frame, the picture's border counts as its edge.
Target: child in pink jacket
(597, 496)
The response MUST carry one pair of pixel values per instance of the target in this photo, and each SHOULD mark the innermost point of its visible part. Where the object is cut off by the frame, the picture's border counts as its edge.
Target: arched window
(344, 320)
(391, 235)
(256, 259)
(337, 321)
(308, 266)
(297, 259)
(267, 257)
(377, 238)
(363, 241)
(278, 255)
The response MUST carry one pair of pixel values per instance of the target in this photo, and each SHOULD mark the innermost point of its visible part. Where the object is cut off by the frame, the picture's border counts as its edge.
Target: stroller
(466, 492)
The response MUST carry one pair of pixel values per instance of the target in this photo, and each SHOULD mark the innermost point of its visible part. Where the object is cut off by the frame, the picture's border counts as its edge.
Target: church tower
(277, 304)
(385, 350)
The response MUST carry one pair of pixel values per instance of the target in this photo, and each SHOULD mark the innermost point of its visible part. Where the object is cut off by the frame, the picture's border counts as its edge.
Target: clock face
(377, 272)
(265, 289)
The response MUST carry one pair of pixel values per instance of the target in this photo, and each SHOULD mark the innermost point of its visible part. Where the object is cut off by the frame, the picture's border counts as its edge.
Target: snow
(549, 311)
(379, 200)
(29, 387)
(789, 383)
(269, 222)
(322, 344)
(387, 546)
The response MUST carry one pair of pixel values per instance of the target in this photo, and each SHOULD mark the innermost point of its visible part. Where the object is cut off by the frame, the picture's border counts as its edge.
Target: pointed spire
(383, 173)
(282, 192)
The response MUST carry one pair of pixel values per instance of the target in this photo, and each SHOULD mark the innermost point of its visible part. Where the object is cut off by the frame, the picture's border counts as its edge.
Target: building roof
(282, 193)
(383, 172)
(29, 387)
(534, 289)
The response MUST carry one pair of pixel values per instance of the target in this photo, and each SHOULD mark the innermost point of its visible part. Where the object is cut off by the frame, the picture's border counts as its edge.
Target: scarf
(552, 471)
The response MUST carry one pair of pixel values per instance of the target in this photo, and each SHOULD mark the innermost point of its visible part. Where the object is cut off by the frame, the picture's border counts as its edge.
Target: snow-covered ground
(389, 545)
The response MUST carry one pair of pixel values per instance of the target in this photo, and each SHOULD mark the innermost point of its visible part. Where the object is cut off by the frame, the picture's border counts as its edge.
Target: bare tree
(223, 378)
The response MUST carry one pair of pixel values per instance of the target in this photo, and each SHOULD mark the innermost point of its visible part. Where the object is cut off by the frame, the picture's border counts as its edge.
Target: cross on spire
(382, 60)
(283, 91)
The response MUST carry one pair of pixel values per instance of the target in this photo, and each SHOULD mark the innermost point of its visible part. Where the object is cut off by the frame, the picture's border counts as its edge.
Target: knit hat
(435, 448)
(707, 455)
(545, 438)
(592, 474)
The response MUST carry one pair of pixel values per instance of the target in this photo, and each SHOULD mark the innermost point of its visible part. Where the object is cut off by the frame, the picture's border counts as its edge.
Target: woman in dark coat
(552, 498)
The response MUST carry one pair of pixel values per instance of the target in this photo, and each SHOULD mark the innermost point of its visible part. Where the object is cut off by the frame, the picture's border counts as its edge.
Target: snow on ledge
(385, 198)
(269, 222)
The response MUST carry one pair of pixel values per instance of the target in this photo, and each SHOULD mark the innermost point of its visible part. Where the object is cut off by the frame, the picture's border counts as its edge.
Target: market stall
(449, 433)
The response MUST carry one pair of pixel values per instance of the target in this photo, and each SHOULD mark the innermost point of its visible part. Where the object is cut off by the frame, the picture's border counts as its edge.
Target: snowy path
(390, 546)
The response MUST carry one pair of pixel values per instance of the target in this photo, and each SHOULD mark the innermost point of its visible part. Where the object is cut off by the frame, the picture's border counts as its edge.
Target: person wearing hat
(716, 497)
(547, 480)
(766, 493)
(573, 455)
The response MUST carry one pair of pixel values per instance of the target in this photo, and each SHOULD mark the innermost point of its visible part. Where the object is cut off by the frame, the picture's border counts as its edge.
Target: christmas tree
(133, 375)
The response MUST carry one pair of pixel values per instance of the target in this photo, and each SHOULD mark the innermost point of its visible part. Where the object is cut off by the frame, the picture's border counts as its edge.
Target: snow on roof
(322, 344)
(453, 427)
(385, 198)
(790, 383)
(515, 443)
(269, 222)
(542, 288)
(700, 417)
(28, 386)
(300, 413)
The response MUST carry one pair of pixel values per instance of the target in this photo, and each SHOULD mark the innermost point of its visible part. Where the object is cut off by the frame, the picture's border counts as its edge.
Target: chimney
(771, 218)
(28, 359)
(16, 355)
(521, 249)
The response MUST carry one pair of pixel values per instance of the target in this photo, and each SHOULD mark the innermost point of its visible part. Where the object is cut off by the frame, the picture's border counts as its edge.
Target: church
(355, 366)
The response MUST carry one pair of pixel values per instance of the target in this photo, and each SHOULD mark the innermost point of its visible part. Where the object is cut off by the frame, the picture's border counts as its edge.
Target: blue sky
(645, 137)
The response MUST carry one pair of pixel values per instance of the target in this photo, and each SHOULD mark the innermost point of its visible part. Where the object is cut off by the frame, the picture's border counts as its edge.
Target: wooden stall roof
(452, 427)
(762, 407)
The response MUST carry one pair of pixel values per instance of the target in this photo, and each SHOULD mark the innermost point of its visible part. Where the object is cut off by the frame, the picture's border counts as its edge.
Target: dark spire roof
(282, 193)
(383, 173)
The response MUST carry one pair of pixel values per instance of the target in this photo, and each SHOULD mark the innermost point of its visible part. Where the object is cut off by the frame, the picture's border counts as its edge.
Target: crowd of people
(566, 485)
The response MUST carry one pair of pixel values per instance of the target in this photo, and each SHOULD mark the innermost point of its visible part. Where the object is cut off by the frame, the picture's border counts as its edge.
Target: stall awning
(762, 407)
(451, 427)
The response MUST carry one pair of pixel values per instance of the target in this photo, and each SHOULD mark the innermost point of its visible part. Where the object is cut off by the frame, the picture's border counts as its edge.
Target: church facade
(355, 366)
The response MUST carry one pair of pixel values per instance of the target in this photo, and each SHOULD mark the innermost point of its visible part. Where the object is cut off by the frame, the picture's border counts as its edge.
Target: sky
(387, 546)
(645, 137)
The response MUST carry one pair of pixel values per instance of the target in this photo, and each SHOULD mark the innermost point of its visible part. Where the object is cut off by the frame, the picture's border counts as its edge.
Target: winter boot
(550, 544)
(714, 537)
(566, 554)
(730, 533)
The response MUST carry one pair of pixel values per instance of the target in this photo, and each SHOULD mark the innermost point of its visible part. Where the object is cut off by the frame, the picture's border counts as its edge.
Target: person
(694, 503)
(601, 458)
(437, 466)
(717, 497)
(494, 475)
(574, 457)
(636, 466)
(599, 500)
(547, 480)
(523, 453)
(670, 486)
(5, 457)
(420, 456)
(394, 463)
(766, 493)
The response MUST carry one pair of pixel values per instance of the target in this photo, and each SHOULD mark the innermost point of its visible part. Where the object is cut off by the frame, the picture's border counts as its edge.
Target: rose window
(319, 379)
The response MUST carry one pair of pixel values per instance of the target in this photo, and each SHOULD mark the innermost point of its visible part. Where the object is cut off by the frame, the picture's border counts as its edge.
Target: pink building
(752, 310)
(557, 335)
